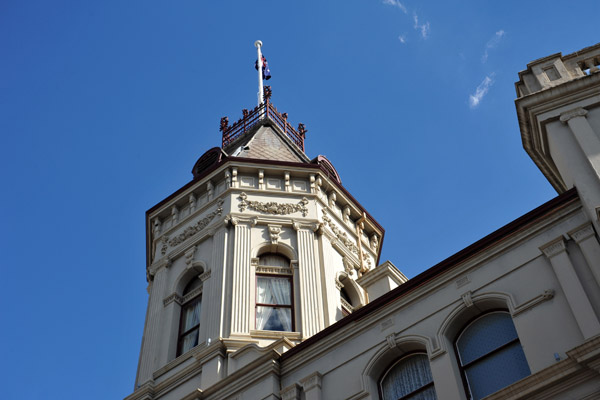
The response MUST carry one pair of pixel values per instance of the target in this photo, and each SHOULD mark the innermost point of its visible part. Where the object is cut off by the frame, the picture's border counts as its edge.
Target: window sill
(275, 335)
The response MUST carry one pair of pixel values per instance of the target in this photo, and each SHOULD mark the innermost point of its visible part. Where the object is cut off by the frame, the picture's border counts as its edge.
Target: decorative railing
(250, 118)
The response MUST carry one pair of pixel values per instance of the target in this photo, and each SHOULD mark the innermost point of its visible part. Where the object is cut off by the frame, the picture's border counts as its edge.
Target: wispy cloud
(423, 28)
(481, 91)
(396, 3)
(493, 42)
(402, 39)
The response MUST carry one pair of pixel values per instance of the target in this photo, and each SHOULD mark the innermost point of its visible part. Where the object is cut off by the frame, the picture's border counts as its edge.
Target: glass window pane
(497, 371)
(273, 290)
(273, 319)
(189, 341)
(191, 315)
(427, 394)
(408, 375)
(485, 335)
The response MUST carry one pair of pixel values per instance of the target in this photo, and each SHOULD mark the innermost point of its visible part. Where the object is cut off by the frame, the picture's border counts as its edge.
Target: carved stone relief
(191, 230)
(273, 207)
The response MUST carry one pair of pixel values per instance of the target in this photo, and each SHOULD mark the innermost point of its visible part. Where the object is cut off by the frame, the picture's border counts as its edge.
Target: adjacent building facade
(265, 280)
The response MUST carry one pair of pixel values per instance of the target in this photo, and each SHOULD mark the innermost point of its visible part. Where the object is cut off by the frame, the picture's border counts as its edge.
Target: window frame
(466, 326)
(290, 278)
(189, 300)
(396, 362)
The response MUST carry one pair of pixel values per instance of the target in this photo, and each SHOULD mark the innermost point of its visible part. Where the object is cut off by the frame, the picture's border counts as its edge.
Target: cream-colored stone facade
(351, 316)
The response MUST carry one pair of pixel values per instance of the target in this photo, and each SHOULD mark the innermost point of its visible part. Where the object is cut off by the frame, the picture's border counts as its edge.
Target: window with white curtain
(408, 379)
(189, 325)
(274, 303)
(490, 354)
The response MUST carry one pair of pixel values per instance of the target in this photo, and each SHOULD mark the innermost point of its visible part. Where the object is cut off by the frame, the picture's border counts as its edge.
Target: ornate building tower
(261, 250)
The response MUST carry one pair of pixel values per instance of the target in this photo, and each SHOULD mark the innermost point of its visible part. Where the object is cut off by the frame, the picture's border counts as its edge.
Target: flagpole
(261, 95)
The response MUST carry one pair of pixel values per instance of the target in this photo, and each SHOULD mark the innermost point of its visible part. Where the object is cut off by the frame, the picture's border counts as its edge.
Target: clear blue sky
(106, 105)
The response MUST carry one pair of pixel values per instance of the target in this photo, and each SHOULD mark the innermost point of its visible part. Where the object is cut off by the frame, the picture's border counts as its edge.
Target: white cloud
(481, 91)
(493, 42)
(402, 39)
(396, 3)
(422, 28)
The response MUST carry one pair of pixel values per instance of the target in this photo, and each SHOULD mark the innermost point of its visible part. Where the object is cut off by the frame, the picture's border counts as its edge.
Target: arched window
(274, 307)
(189, 325)
(408, 379)
(346, 302)
(490, 354)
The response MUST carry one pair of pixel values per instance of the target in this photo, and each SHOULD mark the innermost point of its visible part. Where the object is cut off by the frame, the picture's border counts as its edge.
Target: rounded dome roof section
(207, 160)
(328, 167)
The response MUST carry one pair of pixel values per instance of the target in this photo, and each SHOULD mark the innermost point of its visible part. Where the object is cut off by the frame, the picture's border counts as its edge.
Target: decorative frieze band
(191, 230)
(273, 207)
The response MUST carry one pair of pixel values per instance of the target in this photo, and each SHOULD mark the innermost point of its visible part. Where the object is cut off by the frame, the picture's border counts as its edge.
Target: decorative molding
(273, 207)
(462, 281)
(346, 214)
(189, 255)
(210, 190)
(173, 297)
(341, 235)
(274, 231)
(286, 178)
(191, 230)
(203, 277)
(273, 270)
(331, 198)
(192, 202)
(346, 305)
(386, 324)
(311, 382)
(546, 295)
(467, 299)
(391, 340)
(291, 392)
(175, 214)
(582, 233)
(554, 248)
(374, 242)
(192, 294)
(577, 112)
(261, 179)
(157, 226)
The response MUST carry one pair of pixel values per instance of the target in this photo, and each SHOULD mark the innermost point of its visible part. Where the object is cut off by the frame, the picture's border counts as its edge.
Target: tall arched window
(408, 379)
(274, 306)
(490, 354)
(189, 325)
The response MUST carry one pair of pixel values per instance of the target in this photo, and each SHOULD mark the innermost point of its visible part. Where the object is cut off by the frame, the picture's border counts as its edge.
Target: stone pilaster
(215, 295)
(312, 386)
(241, 309)
(291, 392)
(152, 331)
(579, 303)
(311, 303)
(585, 237)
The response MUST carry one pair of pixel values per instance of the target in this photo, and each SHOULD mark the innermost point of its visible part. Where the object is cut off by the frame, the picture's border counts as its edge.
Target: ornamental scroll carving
(343, 237)
(273, 207)
(191, 230)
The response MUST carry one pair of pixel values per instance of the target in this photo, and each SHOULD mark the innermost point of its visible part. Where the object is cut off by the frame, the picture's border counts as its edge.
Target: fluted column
(214, 298)
(586, 239)
(152, 331)
(584, 134)
(311, 301)
(579, 303)
(241, 285)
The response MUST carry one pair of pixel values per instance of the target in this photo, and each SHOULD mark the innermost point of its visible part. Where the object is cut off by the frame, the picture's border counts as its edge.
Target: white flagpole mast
(261, 94)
